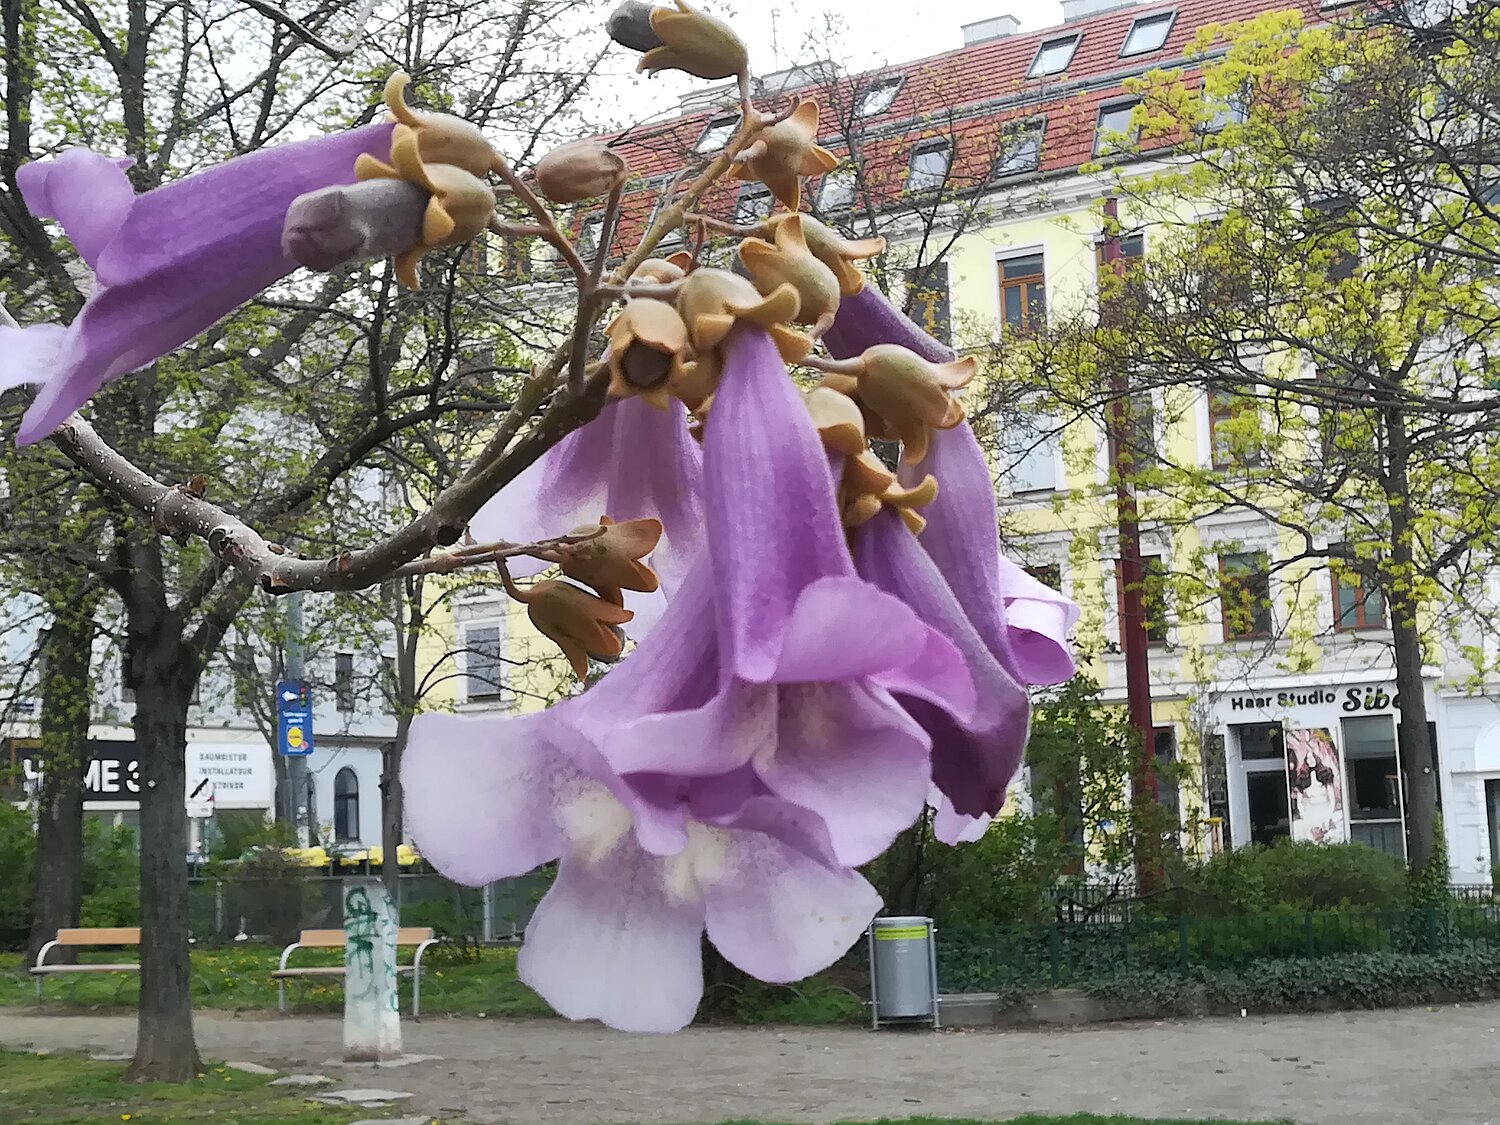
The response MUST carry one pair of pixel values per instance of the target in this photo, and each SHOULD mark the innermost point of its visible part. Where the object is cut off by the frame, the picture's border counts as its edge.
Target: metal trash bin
(903, 971)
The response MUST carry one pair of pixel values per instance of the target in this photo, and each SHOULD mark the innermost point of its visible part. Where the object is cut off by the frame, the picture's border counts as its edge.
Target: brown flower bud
(831, 248)
(580, 623)
(911, 394)
(579, 170)
(695, 42)
(646, 344)
(441, 137)
(783, 153)
(789, 261)
(711, 300)
(838, 421)
(611, 562)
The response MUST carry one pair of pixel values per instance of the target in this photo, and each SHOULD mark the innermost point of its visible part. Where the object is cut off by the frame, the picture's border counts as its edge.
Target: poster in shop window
(1315, 777)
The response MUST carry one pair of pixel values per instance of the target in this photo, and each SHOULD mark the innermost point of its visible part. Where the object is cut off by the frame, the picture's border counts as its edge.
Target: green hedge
(1362, 980)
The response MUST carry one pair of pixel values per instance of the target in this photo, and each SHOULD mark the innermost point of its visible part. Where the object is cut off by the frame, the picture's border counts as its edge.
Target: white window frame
(922, 148)
(1034, 126)
(1035, 71)
(1127, 104)
(876, 91)
(1010, 253)
(710, 139)
(502, 692)
(1167, 18)
(842, 177)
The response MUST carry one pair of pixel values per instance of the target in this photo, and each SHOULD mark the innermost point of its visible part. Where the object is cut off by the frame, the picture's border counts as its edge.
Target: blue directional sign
(294, 728)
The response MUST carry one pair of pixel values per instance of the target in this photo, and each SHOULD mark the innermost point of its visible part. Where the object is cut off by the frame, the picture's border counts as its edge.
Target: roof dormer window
(1053, 56)
(1147, 34)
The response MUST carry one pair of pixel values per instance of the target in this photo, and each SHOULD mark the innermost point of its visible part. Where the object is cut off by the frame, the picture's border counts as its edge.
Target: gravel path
(1406, 1067)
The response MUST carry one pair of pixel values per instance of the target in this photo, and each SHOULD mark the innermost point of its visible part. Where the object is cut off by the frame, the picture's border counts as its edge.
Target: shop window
(1373, 769)
(346, 805)
(1259, 742)
(1492, 808)
(1269, 806)
(1245, 595)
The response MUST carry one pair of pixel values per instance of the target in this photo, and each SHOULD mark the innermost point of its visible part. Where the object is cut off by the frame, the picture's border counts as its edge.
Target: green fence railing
(1063, 953)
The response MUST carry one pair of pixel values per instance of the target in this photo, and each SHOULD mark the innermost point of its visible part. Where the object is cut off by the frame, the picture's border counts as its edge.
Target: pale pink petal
(87, 192)
(781, 916)
(607, 943)
(1038, 619)
(30, 355)
(479, 794)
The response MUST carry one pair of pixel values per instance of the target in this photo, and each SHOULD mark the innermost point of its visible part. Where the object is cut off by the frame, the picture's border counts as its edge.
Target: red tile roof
(968, 95)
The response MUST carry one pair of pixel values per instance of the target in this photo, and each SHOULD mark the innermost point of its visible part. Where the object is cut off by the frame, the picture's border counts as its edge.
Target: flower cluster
(825, 643)
(831, 647)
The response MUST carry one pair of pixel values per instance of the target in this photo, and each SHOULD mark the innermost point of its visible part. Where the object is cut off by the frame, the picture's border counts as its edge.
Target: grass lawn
(67, 1090)
(1034, 1119)
(239, 979)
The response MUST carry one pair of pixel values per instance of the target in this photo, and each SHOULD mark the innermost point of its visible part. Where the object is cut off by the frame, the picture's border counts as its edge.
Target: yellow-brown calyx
(711, 300)
(861, 507)
(694, 386)
(662, 271)
(695, 42)
(441, 137)
(459, 207)
(611, 562)
(579, 170)
(788, 261)
(579, 622)
(912, 395)
(831, 248)
(646, 345)
(781, 154)
(838, 421)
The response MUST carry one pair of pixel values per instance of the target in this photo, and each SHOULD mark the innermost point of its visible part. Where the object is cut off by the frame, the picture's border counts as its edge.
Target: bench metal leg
(416, 992)
(281, 995)
(38, 988)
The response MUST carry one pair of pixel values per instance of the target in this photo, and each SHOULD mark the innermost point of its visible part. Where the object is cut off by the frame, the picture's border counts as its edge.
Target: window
(1023, 294)
(1260, 742)
(1245, 595)
(343, 680)
(127, 678)
(1115, 130)
(1138, 435)
(1147, 33)
(1020, 149)
(1153, 598)
(754, 204)
(929, 166)
(1332, 231)
(927, 300)
(1053, 56)
(346, 805)
(1372, 767)
(1048, 574)
(244, 674)
(717, 133)
(483, 671)
(388, 670)
(1230, 449)
(877, 98)
(589, 233)
(836, 191)
(1029, 444)
(1356, 605)
(1132, 255)
(1233, 110)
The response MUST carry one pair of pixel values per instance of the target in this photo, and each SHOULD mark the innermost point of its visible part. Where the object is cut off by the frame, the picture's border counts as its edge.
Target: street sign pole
(300, 811)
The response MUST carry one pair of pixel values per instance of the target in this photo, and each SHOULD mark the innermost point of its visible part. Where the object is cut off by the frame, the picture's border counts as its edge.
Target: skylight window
(1148, 33)
(1053, 56)
(878, 98)
(718, 132)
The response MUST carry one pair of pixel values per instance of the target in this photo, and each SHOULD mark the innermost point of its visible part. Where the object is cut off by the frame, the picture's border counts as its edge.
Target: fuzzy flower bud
(695, 42)
(579, 170)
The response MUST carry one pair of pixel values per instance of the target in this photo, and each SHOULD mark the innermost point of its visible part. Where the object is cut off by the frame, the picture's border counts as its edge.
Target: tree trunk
(165, 1049)
(66, 696)
(390, 809)
(1415, 743)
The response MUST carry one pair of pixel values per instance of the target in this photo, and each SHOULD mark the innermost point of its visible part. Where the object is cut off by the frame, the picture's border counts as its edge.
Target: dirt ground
(1406, 1067)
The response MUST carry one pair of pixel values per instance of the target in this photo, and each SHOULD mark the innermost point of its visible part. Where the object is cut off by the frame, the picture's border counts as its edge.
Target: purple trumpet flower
(774, 654)
(617, 937)
(974, 757)
(168, 264)
(631, 462)
(1024, 623)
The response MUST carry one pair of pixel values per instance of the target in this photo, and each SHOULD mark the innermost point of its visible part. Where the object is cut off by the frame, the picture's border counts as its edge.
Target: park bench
(421, 937)
(115, 935)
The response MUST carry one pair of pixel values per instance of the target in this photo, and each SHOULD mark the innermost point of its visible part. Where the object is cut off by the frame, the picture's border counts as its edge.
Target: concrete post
(372, 1004)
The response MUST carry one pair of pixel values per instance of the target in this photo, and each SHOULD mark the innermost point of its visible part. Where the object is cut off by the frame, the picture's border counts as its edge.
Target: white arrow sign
(288, 696)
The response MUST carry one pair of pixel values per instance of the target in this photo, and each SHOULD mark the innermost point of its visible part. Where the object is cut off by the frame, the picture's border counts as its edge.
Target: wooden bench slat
(126, 967)
(325, 971)
(114, 935)
(334, 939)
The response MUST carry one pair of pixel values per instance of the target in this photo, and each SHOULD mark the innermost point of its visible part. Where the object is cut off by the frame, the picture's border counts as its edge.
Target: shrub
(1295, 876)
(17, 875)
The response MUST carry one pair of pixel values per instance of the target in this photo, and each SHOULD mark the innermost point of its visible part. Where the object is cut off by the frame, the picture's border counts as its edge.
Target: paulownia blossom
(617, 937)
(634, 461)
(790, 666)
(168, 263)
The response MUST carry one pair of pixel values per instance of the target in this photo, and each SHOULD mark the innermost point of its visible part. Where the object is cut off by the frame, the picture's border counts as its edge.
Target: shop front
(1316, 762)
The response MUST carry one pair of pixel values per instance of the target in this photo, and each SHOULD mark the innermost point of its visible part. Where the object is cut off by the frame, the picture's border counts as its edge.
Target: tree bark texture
(165, 1048)
(62, 758)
